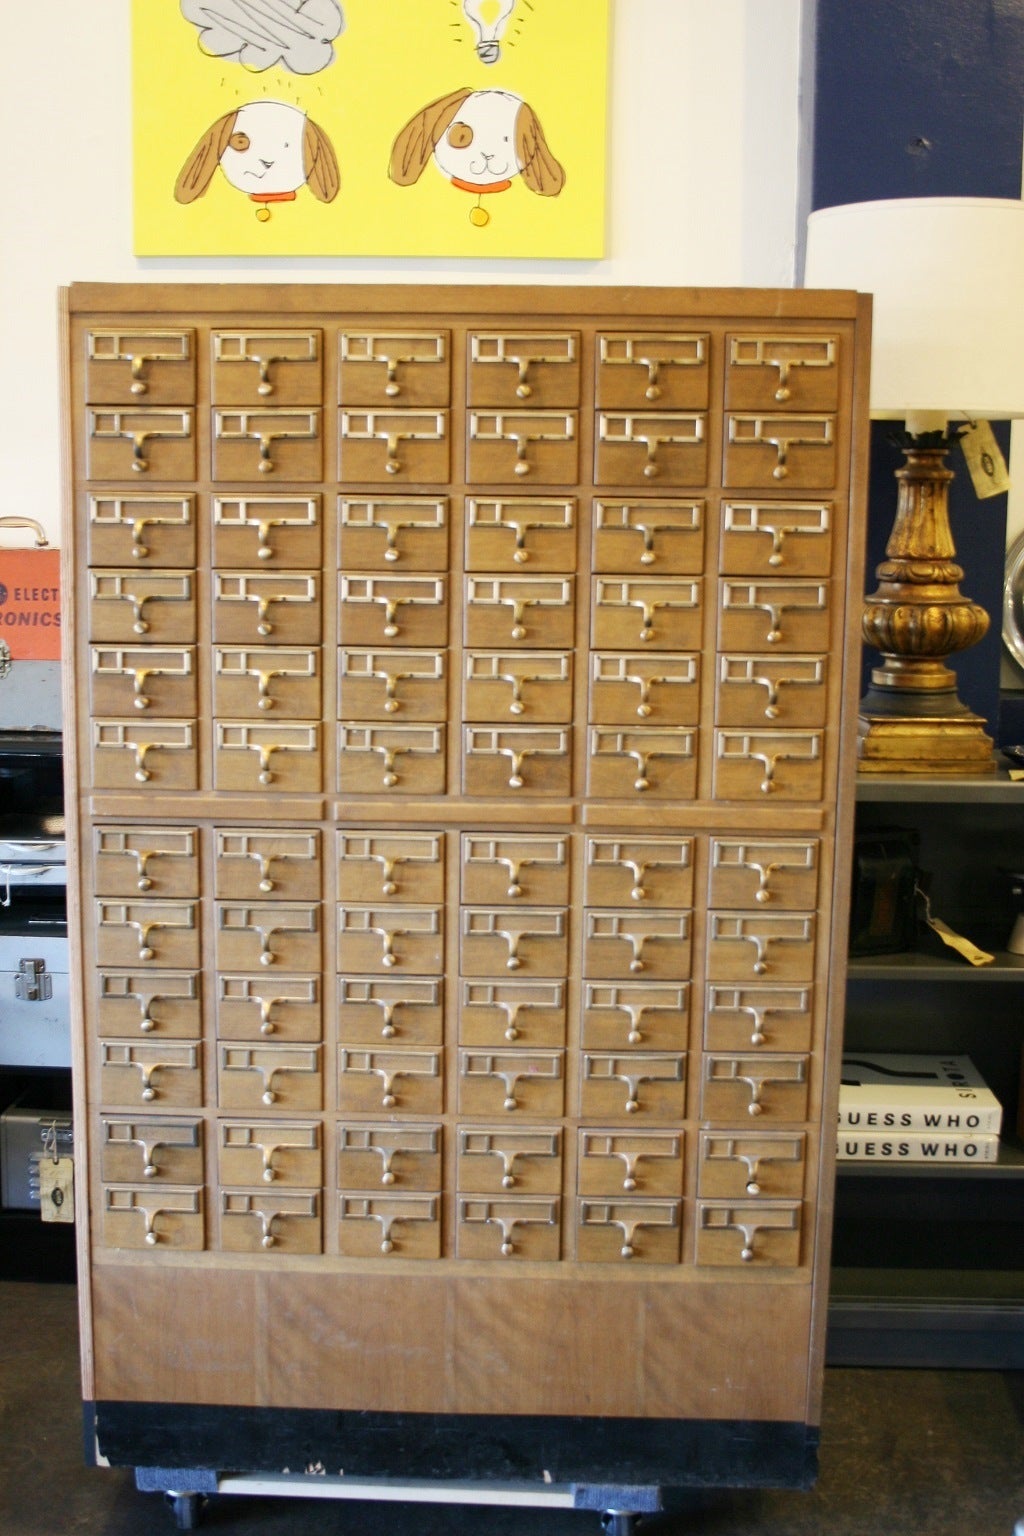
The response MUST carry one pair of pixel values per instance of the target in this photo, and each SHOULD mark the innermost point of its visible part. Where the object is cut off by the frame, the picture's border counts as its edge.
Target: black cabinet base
(664, 1453)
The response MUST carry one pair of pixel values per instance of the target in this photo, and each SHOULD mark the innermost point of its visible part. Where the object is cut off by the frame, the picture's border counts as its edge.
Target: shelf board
(908, 966)
(993, 788)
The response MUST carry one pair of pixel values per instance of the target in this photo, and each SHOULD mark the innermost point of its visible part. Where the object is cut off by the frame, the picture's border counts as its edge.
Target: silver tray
(1013, 602)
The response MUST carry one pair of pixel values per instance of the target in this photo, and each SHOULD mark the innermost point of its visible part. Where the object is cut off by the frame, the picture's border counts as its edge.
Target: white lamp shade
(947, 275)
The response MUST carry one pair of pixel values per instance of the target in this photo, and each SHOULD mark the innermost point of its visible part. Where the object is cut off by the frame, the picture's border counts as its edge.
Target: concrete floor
(904, 1453)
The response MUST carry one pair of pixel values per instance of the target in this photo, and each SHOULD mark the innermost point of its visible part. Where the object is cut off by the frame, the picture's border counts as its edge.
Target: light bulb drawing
(489, 18)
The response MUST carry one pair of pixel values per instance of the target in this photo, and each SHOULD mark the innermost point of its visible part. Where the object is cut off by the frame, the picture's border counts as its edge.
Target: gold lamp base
(911, 720)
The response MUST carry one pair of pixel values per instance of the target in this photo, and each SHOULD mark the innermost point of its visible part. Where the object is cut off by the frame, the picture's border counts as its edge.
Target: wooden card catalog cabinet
(517, 1107)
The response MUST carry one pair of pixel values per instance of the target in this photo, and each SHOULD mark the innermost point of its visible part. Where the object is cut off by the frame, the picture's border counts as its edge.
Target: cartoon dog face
(265, 149)
(477, 139)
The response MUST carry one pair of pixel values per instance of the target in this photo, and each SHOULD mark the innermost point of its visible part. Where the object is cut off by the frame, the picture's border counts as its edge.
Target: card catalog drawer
(643, 447)
(537, 612)
(255, 444)
(390, 866)
(741, 1166)
(263, 933)
(133, 607)
(251, 754)
(627, 1164)
(409, 533)
(375, 940)
(260, 368)
(775, 872)
(258, 1220)
(160, 1003)
(127, 754)
(379, 684)
(403, 1009)
(148, 1216)
(785, 615)
(624, 944)
(496, 1014)
(642, 1231)
(512, 369)
(154, 366)
(504, 534)
(161, 681)
(617, 1015)
(166, 1150)
(533, 940)
(522, 1082)
(158, 441)
(784, 538)
(386, 367)
(648, 1084)
(148, 933)
(268, 532)
(150, 531)
(768, 1087)
(506, 447)
(529, 760)
(402, 1157)
(255, 1152)
(519, 1227)
(406, 1226)
(408, 1082)
(286, 1077)
(800, 371)
(252, 864)
(749, 1233)
(626, 688)
(249, 681)
(161, 861)
(269, 1006)
(659, 615)
(745, 946)
(788, 765)
(404, 760)
(651, 871)
(252, 608)
(406, 611)
(630, 536)
(163, 1074)
(524, 685)
(495, 1160)
(503, 867)
(659, 764)
(779, 1018)
(404, 446)
(754, 690)
(668, 369)
(797, 451)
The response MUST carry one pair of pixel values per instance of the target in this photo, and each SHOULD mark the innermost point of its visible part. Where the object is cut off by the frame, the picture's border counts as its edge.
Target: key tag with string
(56, 1181)
(955, 941)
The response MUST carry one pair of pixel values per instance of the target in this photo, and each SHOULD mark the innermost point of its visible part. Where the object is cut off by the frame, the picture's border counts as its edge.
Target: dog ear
(197, 172)
(541, 171)
(412, 149)
(320, 163)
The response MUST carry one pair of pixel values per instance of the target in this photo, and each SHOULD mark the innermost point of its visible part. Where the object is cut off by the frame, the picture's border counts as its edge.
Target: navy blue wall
(925, 98)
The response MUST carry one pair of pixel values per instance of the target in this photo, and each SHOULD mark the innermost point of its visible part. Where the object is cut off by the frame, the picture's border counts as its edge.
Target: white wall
(703, 178)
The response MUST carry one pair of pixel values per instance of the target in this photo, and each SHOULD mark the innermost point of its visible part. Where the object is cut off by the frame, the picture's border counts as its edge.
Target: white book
(916, 1147)
(888, 1092)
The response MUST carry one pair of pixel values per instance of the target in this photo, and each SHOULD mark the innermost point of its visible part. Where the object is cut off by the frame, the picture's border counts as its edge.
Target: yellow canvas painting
(370, 127)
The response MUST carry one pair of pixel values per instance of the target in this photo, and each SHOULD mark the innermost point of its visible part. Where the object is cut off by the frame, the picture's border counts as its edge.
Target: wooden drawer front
(405, 1226)
(531, 611)
(636, 372)
(160, 681)
(252, 864)
(650, 871)
(165, 1074)
(162, 861)
(251, 754)
(287, 1077)
(642, 1231)
(250, 681)
(496, 1014)
(518, 1227)
(255, 1152)
(402, 1157)
(260, 443)
(403, 446)
(409, 533)
(521, 685)
(259, 1220)
(376, 940)
(776, 1018)
(264, 933)
(743, 946)
(504, 534)
(738, 1088)
(523, 1082)
(531, 761)
(158, 1003)
(405, 759)
(127, 754)
(772, 872)
(741, 1167)
(782, 538)
(272, 1007)
(652, 1015)
(497, 868)
(627, 689)
(648, 1084)
(785, 615)
(403, 1009)
(494, 1160)
(756, 690)
(146, 531)
(623, 1165)
(148, 933)
(514, 370)
(764, 371)
(136, 607)
(641, 448)
(250, 608)
(157, 441)
(506, 447)
(391, 866)
(135, 1148)
(624, 944)
(659, 764)
(659, 615)
(393, 610)
(385, 683)
(268, 532)
(764, 450)
(144, 1216)
(383, 368)
(261, 368)
(155, 366)
(789, 765)
(749, 1233)
(533, 940)
(404, 1081)
(630, 536)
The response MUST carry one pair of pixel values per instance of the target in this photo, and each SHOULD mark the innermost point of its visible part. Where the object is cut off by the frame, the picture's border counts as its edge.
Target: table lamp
(947, 275)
